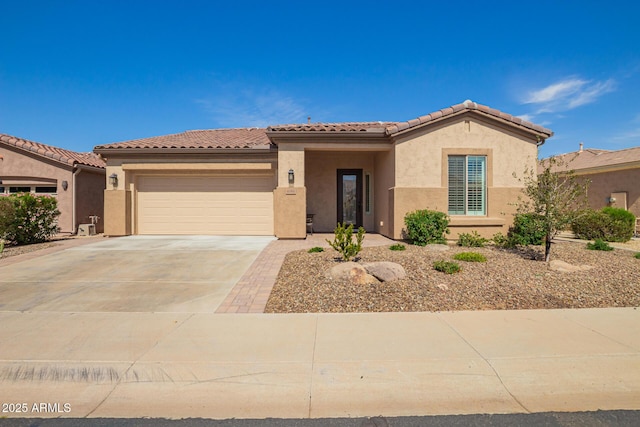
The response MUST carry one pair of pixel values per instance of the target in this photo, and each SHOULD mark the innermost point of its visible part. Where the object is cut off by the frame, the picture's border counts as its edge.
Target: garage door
(231, 205)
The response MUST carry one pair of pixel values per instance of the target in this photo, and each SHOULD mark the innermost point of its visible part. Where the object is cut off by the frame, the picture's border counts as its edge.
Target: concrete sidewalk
(180, 365)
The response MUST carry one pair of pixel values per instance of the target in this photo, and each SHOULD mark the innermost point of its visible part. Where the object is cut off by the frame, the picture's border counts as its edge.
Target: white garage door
(228, 205)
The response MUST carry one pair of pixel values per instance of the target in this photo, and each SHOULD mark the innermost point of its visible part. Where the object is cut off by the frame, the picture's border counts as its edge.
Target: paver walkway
(252, 291)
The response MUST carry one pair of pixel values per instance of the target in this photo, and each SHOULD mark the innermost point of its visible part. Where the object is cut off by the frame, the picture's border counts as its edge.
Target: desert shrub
(637, 255)
(315, 249)
(609, 224)
(500, 240)
(527, 229)
(34, 220)
(473, 240)
(7, 215)
(397, 247)
(470, 257)
(343, 241)
(448, 267)
(599, 245)
(424, 227)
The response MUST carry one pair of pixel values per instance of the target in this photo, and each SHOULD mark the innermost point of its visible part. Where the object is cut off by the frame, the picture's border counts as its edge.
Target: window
(367, 193)
(19, 189)
(1, 190)
(467, 185)
(46, 190)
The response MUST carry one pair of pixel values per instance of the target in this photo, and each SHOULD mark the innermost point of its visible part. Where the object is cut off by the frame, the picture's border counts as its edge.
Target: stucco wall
(16, 168)
(422, 170)
(604, 184)
(384, 181)
(321, 182)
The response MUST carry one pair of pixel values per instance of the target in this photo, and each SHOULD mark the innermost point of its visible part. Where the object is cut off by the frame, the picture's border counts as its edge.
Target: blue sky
(76, 74)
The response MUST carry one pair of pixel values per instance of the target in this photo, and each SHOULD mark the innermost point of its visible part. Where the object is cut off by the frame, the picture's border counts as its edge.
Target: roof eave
(107, 152)
(378, 136)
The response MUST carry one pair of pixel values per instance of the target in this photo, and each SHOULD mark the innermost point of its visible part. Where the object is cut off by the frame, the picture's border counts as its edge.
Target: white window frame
(464, 205)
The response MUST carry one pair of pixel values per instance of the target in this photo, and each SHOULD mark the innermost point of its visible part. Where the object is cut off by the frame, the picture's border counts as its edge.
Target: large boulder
(565, 267)
(352, 272)
(385, 271)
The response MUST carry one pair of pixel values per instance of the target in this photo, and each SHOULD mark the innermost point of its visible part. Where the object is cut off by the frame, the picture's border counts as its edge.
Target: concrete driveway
(131, 274)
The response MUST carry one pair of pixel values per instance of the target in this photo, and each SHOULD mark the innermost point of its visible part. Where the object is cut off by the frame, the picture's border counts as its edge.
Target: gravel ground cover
(10, 251)
(509, 279)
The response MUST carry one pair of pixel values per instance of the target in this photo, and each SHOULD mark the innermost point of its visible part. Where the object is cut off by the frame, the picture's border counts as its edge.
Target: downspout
(73, 203)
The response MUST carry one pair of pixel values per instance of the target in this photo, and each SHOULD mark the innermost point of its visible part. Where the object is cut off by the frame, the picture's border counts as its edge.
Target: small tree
(555, 195)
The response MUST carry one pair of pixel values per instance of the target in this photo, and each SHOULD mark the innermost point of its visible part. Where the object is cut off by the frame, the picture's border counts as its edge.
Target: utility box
(86, 230)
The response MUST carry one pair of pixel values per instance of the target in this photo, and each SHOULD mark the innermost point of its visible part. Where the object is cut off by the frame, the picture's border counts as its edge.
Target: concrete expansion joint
(489, 364)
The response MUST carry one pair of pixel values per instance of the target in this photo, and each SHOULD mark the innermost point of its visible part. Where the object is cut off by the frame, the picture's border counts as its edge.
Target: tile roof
(333, 127)
(214, 138)
(391, 128)
(61, 155)
(465, 107)
(593, 158)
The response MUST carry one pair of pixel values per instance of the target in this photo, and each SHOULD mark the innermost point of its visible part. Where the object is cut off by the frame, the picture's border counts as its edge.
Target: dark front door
(350, 196)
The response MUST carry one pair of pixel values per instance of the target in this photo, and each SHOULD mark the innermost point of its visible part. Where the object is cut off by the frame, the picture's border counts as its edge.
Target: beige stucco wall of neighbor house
(422, 171)
(603, 185)
(17, 169)
(117, 212)
(321, 182)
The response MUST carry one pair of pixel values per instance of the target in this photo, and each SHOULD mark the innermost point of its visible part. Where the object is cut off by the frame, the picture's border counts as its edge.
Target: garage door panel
(205, 205)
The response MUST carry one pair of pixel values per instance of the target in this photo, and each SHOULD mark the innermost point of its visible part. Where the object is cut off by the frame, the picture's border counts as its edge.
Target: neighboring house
(77, 180)
(614, 176)
(459, 160)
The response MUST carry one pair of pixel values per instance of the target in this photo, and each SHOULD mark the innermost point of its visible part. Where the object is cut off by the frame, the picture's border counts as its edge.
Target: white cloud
(252, 108)
(568, 94)
(527, 117)
(633, 134)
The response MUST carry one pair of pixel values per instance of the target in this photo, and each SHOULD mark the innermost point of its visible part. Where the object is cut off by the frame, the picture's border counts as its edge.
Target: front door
(350, 196)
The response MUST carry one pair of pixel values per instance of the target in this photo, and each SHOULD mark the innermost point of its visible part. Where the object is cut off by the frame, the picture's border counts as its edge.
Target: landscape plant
(33, 220)
(315, 249)
(599, 245)
(470, 257)
(637, 255)
(472, 240)
(397, 247)
(500, 240)
(554, 196)
(527, 229)
(343, 241)
(425, 227)
(609, 224)
(448, 267)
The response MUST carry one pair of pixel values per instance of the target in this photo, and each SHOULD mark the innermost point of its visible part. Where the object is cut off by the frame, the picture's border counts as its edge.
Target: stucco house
(77, 180)
(257, 181)
(614, 176)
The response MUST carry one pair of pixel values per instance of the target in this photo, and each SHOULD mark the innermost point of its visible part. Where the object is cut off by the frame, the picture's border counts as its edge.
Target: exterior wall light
(65, 185)
(291, 177)
(113, 180)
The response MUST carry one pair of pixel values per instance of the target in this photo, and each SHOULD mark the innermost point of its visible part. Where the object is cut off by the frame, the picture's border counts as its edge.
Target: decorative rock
(385, 271)
(443, 287)
(342, 270)
(351, 271)
(565, 267)
(436, 247)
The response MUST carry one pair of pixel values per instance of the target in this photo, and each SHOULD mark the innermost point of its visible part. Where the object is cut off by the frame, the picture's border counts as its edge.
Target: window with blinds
(467, 185)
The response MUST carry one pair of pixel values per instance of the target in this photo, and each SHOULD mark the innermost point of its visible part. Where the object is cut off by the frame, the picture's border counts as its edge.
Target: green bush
(501, 241)
(637, 255)
(470, 257)
(343, 241)
(7, 215)
(397, 247)
(315, 249)
(599, 245)
(34, 219)
(447, 267)
(473, 240)
(527, 229)
(424, 227)
(609, 224)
